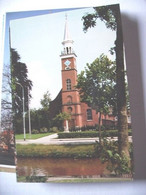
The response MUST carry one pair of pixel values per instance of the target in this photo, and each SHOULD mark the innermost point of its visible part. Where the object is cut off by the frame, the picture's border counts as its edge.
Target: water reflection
(59, 167)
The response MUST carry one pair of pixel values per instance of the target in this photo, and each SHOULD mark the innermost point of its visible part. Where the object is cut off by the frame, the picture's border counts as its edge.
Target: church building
(68, 99)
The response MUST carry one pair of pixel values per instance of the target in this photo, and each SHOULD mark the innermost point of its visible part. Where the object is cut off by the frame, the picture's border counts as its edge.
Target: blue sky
(38, 41)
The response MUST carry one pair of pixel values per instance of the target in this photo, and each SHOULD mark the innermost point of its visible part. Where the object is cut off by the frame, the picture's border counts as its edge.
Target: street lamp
(29, 115)
(23, 110)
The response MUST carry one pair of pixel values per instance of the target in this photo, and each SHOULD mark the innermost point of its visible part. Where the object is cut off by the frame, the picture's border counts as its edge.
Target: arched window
(89, 114)
(69, 99)
(68, 84)
(69, 109)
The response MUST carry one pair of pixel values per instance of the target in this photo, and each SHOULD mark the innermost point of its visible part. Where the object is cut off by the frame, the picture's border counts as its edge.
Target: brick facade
(81, 114)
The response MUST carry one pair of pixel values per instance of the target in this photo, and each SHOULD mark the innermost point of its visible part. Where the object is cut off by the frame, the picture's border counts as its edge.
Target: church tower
(70, 95)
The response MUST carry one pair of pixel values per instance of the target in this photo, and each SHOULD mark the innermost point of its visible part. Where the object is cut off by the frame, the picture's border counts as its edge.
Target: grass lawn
(33, 136)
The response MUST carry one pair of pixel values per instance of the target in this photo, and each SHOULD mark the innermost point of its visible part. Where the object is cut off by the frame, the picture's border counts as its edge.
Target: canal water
(59, 167)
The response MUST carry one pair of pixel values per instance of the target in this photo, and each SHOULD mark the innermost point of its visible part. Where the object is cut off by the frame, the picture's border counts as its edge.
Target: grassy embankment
(56, 151)
(61, 151)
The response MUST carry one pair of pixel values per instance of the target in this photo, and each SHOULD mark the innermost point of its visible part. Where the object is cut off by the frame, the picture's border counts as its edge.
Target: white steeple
(66, 32)
(67, 41)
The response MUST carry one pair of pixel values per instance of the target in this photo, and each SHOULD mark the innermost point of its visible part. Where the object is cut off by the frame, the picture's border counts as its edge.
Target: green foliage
(19, 84)
(112, 133)
(39, 119)
(59, 118)
(19, 74)
(63, 116)
(107, 151)
(55, 151)
(93, 128)
(43, 130)
(45, 102)
(96, 84)
(107, 14)
(78, 134)
(35, 131)
(54, 129)
(110, 15)
(82, 134)
(40, 179)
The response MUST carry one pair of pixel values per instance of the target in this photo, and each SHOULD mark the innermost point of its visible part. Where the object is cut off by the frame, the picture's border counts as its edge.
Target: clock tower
(70, 95)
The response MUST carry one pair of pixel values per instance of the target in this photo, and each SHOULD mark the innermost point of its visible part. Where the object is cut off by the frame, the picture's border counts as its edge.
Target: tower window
(69, 99)
(68, 84)
(69, 109)
(89, 114)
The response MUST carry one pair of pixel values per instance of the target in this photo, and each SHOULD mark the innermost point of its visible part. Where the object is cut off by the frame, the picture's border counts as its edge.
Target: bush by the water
(107, 151)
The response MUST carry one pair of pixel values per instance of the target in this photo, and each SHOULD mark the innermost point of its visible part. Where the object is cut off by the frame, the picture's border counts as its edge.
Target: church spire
(67, 36)
(67, 41)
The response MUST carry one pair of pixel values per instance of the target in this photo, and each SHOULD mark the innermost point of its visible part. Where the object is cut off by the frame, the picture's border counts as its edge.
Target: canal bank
(71, 149)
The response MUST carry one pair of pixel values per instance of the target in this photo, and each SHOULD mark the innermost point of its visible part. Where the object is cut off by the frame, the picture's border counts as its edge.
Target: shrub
(82, 134)
(54, 130)
(107, 151)
(35, 131)
(35, 179)
(43, 130)
(78, 134)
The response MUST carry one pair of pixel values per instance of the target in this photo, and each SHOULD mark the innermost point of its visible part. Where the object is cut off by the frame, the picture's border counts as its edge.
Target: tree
(6, 102)
(96, 86)
(44, 111)
(19, 79)
(45, 102)
(110, 15)
(64, 116)
(40, 117)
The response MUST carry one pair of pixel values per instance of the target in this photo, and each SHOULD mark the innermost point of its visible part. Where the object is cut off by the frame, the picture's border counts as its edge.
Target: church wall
(108, 119)
(95, 116)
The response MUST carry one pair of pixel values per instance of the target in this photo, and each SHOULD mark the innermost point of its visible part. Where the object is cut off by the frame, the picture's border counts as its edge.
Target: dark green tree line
(40, 117)
(19, 82)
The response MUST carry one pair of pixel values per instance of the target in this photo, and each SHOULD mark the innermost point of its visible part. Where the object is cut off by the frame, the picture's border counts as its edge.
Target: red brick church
(68, 100)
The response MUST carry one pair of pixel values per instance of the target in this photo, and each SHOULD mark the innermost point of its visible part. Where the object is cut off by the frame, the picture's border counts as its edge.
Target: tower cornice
(67, 42)
(65, 56)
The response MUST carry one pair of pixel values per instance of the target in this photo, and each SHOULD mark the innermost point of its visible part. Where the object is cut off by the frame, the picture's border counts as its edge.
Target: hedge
(89, 134)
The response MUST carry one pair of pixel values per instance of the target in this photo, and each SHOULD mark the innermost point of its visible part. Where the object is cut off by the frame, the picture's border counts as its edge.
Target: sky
(38, 40)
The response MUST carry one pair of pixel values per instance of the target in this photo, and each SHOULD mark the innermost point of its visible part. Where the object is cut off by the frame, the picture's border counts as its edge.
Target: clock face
(67, 64)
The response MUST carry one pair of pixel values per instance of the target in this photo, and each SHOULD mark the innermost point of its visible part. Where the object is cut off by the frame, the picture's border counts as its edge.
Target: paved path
(51, 139)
